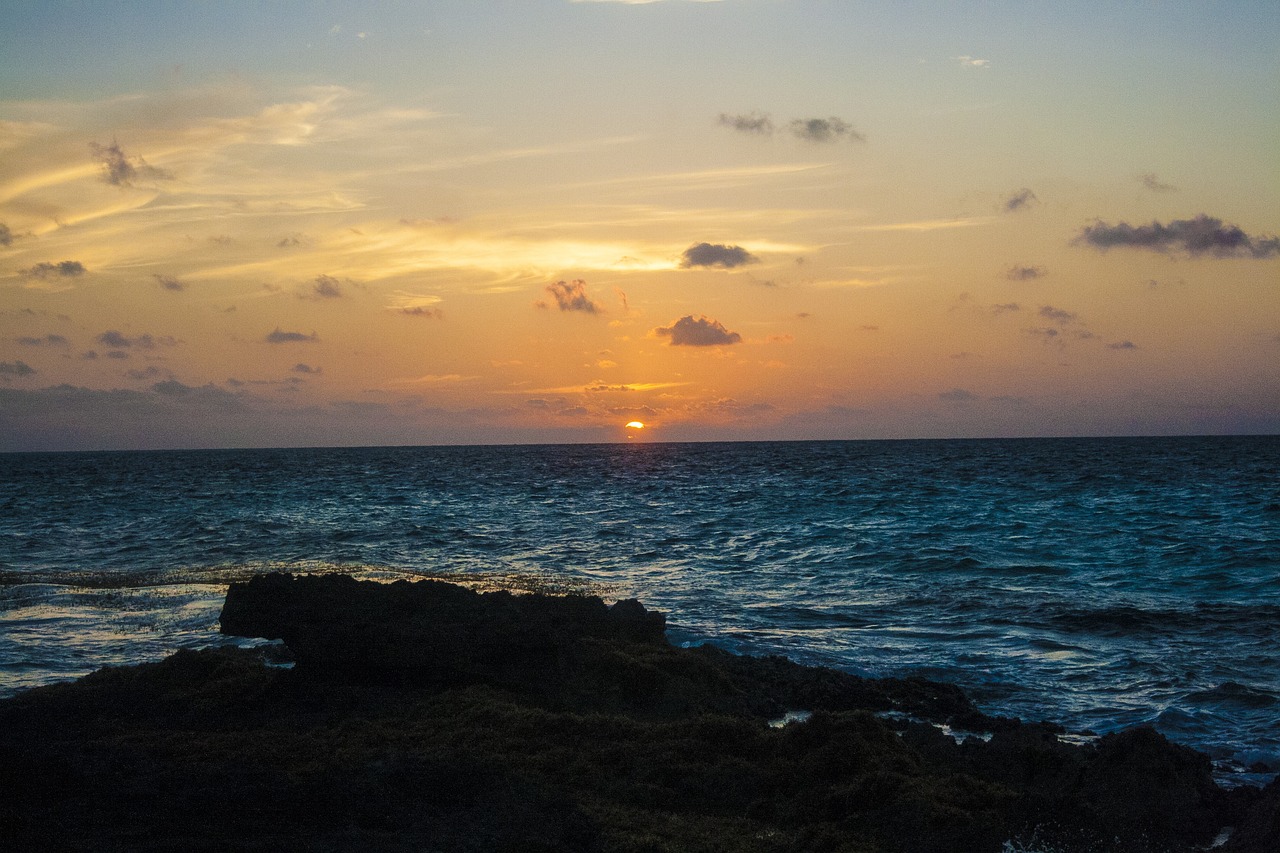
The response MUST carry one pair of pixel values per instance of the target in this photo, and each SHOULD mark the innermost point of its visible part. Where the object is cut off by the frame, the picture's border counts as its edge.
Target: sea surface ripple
(1100, 583)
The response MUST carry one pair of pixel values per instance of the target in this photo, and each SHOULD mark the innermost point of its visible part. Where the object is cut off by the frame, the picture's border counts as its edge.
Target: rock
(425, 716)
(426, 631)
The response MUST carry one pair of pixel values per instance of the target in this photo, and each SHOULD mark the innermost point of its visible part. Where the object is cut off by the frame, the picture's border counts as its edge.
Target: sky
(253, 224)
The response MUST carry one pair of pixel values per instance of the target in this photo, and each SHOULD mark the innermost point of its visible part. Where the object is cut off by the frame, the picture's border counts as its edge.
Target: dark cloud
(49, 340)
(1153, 183)
(1122, 345)
(1021, 273)
(958, 395)
(62, 269)
(327, 287)
(701, 332)
(15, 369)
(423, 311)
(171, 388)
(572, 296)
(1005, 307)
(1199, 236)
(1020, 200)
(281, 337)
(758, 123)
(116, 340)
(825, 130)
(306, 368)
(289, 242)
(716, 255)
(151, 372)
(1057, 315)
(119, 171)
(6, 236)
(168, 282)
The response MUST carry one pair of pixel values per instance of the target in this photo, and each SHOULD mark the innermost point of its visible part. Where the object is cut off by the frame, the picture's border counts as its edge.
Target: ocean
(1099, 583)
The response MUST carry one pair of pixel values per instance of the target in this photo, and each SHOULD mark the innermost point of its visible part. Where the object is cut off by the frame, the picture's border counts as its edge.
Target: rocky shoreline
(427, 716)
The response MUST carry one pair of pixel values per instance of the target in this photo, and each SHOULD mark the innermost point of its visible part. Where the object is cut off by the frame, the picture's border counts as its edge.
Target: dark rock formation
(427, 632)
(428, 717)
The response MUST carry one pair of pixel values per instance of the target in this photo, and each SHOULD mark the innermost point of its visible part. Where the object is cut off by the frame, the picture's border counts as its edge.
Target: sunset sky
(291, 223)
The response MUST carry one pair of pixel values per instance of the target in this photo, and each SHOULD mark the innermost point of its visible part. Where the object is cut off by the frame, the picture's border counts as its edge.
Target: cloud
(423, 311)
(62, 269)
(15, 369)
(327, 287)
(1199, 236)
(306, 368)
(6, 236)
(757, 123)
(1005, 308)
(1122, 345)
(572, 296)
(716, 255)
(1023, 273)
(1153, 183)
(701, 332)
(116, 340)
(824, 130)
(1057, 315)
(49, 340)
(117, 169)
(973, 62)
(151, 372)
(281, 337)
(1019, 200)
(168, 282)
(958, 395)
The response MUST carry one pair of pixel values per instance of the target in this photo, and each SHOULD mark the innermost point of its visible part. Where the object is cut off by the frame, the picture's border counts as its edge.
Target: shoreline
(428, 716)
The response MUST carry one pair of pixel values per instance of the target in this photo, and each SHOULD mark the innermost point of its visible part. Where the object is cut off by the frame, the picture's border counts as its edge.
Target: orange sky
(318, 224)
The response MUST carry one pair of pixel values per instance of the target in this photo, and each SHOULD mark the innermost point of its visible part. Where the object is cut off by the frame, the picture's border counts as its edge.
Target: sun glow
(635, 425)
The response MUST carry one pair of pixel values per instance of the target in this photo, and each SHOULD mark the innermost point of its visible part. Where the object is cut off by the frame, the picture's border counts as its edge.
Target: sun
(635, 425)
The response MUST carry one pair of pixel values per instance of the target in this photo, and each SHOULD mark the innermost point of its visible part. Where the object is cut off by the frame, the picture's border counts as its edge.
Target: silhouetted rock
(426, 631)
(428, 717)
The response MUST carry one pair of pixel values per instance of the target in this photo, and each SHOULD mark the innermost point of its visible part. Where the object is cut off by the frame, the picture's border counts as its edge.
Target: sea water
(1099, 583)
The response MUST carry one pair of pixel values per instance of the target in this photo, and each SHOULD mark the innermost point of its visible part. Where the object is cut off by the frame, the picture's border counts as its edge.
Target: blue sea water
(1099, 583)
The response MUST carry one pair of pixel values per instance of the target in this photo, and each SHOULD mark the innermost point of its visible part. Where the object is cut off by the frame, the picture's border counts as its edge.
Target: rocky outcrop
(426, 632)
(429, 717)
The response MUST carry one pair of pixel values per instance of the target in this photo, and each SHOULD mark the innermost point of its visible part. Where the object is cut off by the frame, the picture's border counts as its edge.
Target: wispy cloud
(1201, 235)
(117, 340)
(824, 130)
(973, 62)
(1024, 273)
(49, 340)
(820, 130)
(120, 170)
(1019, 200)
(698, 332)
(572, 296)
(282, 337)
(716, 255)
(327, 287)
(755, 123)
(62, 269)
(1153, 183)
(15, 370)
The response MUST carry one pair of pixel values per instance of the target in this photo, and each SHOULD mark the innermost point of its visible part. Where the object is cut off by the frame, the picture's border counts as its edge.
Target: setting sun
(635, 425)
